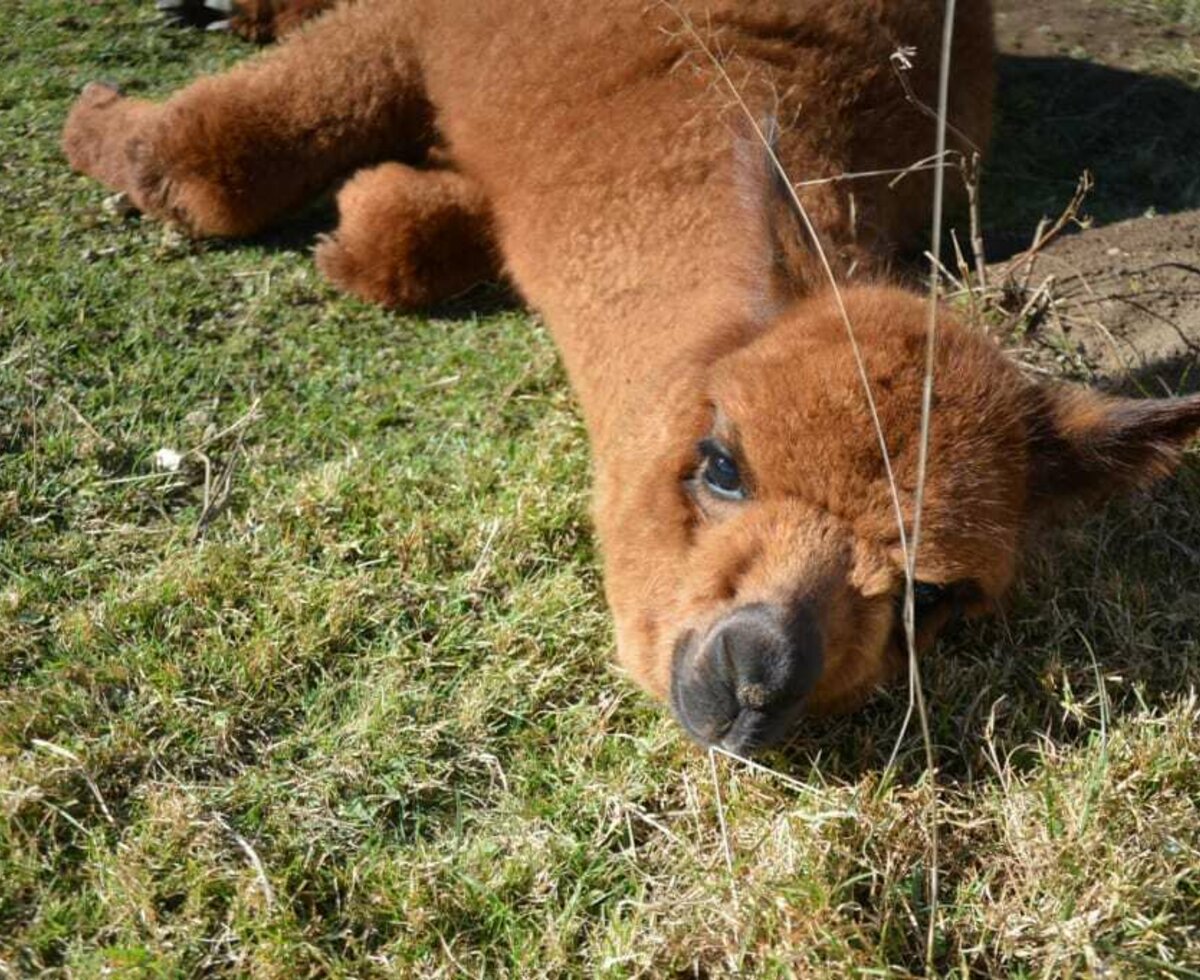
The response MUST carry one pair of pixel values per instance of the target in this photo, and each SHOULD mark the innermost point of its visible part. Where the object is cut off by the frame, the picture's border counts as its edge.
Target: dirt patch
(1119, 303)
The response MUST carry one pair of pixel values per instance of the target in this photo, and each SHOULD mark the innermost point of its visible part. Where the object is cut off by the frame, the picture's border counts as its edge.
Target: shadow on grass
(1055, 117)
(299, 233)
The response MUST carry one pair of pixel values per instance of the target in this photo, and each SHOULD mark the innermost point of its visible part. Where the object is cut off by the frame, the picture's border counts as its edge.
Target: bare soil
(1124, 303)
(1104, 86)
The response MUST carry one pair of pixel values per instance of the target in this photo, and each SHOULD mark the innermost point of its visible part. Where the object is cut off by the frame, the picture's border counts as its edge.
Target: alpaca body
(609, 160)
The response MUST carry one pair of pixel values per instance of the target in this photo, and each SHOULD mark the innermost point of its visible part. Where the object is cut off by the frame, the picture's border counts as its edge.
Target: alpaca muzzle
(742, 685)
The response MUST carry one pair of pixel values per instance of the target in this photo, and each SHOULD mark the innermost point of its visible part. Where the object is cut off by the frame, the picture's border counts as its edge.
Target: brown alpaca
(751, 550)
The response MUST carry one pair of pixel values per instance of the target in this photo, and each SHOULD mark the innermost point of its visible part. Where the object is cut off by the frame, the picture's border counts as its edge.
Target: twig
(1101, 767)
(655, 823)
(898, 172)
(1043, 236)
(251, 415)
(910, 629)
(900, 65)
(965, 286)
(939, 266)
(971, 172)
(256, 864)
(766, 770)
(813, 818)
(1038, 301)
(934, 161)
(218, 492)
(483, 562)
(712, 765)
(71, 757)
(79, 417)
(458, 965)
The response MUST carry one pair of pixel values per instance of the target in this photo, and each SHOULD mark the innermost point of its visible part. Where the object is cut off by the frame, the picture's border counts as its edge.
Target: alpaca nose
(742, 686)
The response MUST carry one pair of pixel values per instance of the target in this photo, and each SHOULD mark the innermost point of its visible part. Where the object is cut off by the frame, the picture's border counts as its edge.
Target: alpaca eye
(927, 596)
(720, 474)
(938, 604)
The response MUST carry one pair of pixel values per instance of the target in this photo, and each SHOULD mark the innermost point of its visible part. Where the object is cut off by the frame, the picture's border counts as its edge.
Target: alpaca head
(757, 567)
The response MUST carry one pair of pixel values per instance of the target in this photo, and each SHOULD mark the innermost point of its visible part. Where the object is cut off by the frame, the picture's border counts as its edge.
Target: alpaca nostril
(743, 684)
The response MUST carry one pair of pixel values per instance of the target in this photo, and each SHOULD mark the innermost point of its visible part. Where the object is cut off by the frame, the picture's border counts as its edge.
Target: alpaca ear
(781, 246)
(1085, 446)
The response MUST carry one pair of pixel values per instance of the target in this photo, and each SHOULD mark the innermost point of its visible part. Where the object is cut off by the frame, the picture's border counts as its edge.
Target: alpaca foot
(358, 268)
(130, 146)
(408, 238)
(97, 133)
(211, 15)
(83, 135)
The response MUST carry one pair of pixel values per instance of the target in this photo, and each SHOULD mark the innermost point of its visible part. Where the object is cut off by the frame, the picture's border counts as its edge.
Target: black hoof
(743, 685)
(210, 15)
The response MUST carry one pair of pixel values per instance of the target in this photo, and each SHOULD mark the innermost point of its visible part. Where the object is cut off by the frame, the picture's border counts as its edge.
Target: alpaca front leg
(231, 153)
(409, 238)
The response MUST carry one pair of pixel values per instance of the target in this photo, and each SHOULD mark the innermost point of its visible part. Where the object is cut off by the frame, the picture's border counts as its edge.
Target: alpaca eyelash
(709, 447)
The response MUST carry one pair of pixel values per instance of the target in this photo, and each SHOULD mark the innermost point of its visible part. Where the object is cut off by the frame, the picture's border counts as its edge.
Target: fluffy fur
(596, 156)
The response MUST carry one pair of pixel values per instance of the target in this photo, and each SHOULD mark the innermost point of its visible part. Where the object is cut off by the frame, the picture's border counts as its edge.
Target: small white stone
(167, 459)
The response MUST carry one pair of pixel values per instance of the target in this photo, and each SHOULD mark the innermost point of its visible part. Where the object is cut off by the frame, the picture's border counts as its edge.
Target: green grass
(364, 723)
(1183, 12)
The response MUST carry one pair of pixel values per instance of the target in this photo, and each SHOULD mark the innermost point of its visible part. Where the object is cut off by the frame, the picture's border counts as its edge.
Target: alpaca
(751, 530)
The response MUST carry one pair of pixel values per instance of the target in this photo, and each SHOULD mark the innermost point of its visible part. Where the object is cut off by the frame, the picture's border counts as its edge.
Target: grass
(364, 723)
(1182, 12)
